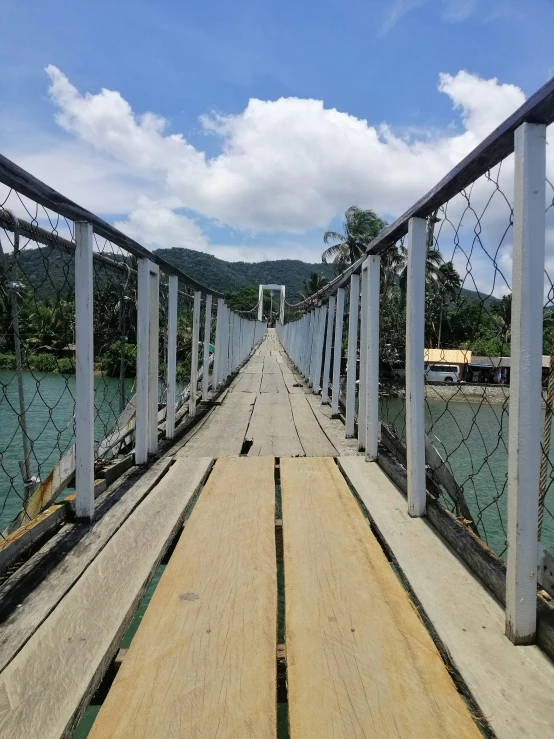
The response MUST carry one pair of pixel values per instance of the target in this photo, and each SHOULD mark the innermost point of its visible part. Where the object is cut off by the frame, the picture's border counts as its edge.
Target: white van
(442, 373)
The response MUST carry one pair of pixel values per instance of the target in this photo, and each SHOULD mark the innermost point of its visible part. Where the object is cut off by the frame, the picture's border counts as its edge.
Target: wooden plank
(273, 383)
(29, 596)
(360, 662)
(271, 366)
(332, 427)
(45, 688)
(202, 662)
(247, 383)
(272, 428)
(294, 384)
(222, 434)
(513, 686)
(31, 534)
(312, 438)
(486, 566)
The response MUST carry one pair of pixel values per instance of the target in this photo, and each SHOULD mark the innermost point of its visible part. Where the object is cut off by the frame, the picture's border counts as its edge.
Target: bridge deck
(268, 406)
(203, 662)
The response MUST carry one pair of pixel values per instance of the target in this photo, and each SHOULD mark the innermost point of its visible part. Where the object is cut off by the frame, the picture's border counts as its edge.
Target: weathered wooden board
(32, 593)
(222, 435)
(273, 383)
(202, 663)
(294, 384)
(271, 366)
(248, 382)
(272, 428)
(333, 427)
(312, 438)
(359, 661)
(512, 685)
(46, 686)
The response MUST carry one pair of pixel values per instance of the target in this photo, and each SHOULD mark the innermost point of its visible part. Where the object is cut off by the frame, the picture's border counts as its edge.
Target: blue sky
(246, 166)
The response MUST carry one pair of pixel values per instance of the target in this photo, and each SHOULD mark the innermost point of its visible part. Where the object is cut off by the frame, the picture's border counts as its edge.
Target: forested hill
(223, 276)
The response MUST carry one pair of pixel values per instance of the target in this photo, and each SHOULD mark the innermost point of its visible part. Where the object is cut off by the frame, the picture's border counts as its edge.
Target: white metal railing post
(217, 347)
(171, 356)
(84, 373)
(224, 343)
(415, 321)
(320, 342)
(153, 358)
(308, 355)
(194, 349)
(337, 355)
(313, 352)
(206, 356)
(328, 347)
(362, 387)
(352, 355)
(372, 358)
(143, 338)
(525, 418)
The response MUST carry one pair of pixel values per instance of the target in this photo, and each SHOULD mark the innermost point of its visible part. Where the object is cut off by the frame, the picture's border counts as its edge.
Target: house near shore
(478, 369)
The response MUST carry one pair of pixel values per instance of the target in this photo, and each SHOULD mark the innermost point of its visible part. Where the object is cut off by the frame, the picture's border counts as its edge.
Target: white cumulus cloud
(286, 165)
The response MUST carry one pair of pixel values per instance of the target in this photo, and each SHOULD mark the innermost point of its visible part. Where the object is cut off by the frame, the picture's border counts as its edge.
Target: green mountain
(223, 276)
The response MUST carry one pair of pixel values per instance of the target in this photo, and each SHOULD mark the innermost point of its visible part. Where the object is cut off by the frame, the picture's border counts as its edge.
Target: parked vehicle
(442, 373)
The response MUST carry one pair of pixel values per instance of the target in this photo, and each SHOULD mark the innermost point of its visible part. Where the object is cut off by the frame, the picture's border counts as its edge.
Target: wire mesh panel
(115, 341)
(344, 349)
(546, 486)
(37, 386)
(467, 340)
(392, 347)
(185, 301)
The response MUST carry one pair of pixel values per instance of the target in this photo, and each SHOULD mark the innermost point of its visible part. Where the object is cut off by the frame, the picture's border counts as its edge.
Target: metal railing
(433, 343)
(104, 348)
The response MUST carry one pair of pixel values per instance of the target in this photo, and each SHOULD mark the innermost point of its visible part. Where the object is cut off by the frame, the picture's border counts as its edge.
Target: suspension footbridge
(242, 531)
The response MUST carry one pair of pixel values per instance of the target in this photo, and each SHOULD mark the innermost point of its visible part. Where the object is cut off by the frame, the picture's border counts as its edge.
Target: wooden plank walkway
(202, 663)
(359, 661)
(60, 666)
(512, 685)
(264, 407)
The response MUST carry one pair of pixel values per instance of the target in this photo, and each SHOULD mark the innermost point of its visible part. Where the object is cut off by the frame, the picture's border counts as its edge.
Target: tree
(502, 315)
(360, 228)
(315, 282)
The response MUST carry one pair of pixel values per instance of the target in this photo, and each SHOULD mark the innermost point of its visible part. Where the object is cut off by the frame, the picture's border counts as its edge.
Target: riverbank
(468, 392)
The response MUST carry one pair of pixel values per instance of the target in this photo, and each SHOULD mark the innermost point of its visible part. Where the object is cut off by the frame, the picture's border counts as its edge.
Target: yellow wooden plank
(359, 661)
(202, 663)
(58, 668)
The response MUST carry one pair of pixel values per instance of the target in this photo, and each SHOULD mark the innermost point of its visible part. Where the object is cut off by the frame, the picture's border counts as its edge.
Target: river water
(473, 436)
(49, 399)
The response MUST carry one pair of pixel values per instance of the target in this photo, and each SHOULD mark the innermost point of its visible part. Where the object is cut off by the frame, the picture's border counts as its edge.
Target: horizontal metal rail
(24, 183)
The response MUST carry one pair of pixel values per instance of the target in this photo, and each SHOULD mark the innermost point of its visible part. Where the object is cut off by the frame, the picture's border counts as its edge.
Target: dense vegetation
(455, 318)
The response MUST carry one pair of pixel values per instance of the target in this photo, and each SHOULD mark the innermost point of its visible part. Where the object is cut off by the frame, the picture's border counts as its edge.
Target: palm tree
(315, 282)
(502, 314)
(360, 227)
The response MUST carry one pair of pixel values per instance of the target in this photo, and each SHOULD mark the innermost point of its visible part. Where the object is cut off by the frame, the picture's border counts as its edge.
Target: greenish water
(473, 437)
(49, 402)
